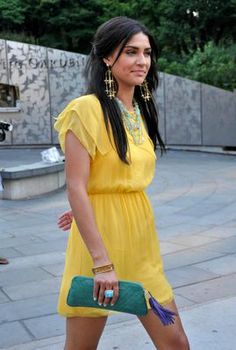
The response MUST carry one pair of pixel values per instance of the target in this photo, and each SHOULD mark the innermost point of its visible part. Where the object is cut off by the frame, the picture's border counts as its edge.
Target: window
(9, 97)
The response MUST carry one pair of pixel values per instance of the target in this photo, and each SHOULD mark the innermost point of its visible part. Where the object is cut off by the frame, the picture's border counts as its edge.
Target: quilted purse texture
(131, 296)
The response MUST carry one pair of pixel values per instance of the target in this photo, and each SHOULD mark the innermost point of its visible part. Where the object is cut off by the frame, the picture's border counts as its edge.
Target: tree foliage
(11, 13)
(186, 30)
(214, 65)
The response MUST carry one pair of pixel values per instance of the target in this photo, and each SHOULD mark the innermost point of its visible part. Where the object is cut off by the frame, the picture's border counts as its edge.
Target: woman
(109, 137)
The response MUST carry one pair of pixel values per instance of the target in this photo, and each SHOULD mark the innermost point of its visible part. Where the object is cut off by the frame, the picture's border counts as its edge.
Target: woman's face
(134, 62)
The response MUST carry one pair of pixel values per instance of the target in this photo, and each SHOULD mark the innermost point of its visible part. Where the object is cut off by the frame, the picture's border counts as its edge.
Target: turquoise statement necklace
(132, 121)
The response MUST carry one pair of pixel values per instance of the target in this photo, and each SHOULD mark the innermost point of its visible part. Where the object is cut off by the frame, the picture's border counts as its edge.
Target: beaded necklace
(132, 121)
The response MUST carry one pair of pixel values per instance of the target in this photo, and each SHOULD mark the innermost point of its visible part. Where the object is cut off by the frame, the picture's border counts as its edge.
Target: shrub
(215, 65)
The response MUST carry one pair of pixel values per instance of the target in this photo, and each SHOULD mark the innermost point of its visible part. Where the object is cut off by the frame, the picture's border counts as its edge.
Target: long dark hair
(113, 33)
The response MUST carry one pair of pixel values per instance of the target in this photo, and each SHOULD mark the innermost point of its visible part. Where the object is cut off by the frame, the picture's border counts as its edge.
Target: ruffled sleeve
(84, 117)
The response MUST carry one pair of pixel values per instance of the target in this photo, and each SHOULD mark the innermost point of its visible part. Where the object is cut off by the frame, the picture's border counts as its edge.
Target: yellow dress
(122, 210)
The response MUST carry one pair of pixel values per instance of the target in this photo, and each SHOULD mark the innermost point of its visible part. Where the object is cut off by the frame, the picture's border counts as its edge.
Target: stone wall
(47, 80)
(191, 113)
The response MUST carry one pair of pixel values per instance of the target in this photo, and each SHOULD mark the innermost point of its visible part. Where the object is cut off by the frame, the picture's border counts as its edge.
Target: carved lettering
(52, 63)
(43, 63)
(35, 63)
(71, 62)
(63, 64)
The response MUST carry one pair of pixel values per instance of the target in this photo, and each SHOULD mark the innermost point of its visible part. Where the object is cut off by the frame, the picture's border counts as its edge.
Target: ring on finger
(108, 293)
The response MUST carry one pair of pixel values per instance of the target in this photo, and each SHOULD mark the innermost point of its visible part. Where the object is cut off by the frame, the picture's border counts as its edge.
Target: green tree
(187, 25)
(183, 28)
(68, 24)
(64, 24)
(215, 65)
(11, 14)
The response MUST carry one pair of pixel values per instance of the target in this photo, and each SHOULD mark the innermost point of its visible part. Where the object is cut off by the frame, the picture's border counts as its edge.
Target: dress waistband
(115, 193)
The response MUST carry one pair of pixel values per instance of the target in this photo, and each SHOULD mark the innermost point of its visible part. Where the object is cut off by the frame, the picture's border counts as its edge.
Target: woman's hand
(65, 220)
(104, 281)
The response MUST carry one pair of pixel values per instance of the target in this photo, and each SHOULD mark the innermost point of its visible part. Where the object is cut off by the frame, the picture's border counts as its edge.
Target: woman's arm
(77, 166)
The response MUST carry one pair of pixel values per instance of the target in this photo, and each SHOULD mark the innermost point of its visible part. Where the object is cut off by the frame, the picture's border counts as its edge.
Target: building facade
(37, 82)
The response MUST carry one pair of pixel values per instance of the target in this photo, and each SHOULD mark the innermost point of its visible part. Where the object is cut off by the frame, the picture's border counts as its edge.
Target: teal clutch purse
(131, 299)
(131, 296)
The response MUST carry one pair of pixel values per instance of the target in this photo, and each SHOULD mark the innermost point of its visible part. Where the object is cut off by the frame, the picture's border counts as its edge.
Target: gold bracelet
(102, 269)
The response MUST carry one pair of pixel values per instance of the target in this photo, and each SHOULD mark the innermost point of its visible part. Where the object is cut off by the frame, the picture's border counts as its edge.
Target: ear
(106, 61)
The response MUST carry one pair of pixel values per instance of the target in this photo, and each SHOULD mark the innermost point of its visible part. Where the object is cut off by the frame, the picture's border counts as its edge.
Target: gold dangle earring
(145, 93)
(110, 84)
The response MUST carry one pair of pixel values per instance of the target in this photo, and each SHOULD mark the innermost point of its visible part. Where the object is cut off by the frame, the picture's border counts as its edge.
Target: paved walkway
(194, 199)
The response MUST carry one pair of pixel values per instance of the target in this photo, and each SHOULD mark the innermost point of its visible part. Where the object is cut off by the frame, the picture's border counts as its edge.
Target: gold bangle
(102, 269)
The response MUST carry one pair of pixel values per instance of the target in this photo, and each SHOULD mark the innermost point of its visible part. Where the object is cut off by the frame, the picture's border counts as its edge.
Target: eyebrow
(135, 47)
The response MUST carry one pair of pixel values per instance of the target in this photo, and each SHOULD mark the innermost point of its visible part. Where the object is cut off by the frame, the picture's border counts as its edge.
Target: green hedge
(215, 65)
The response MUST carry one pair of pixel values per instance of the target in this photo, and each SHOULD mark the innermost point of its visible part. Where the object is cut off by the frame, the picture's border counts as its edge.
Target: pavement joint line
(187, 298)
(206, 149)
(202, 281)
(27, 329)
(201, 233)
(198, 262)
(35, 317)
(225, 222)
(175, 239)
(35, 255)
(208, 302)
(24, 298)
(49, 272)
(43, 269)
(211, 212)
(182, 195)
(54, 340)
(189, 247)
(11, 267)
(21, 254)
(186, 248)
(218, 239)
(6, 295)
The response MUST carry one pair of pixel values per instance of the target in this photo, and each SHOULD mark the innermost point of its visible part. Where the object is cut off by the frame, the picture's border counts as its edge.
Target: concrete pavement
(194, 200)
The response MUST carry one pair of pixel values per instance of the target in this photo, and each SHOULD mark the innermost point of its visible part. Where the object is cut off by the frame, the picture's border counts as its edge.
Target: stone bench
(26, 181)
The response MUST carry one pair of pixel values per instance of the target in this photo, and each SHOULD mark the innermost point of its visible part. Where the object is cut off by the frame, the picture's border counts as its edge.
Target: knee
(180, 343)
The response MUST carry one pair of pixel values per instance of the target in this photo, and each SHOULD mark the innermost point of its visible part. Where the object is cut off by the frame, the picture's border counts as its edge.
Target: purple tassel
(166, 316)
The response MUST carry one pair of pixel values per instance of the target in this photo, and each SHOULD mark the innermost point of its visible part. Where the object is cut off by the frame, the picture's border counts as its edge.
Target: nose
(141, 59)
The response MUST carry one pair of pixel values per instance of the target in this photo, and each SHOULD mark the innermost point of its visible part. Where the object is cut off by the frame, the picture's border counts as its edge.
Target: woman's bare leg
(83, 333)
(170, 337)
